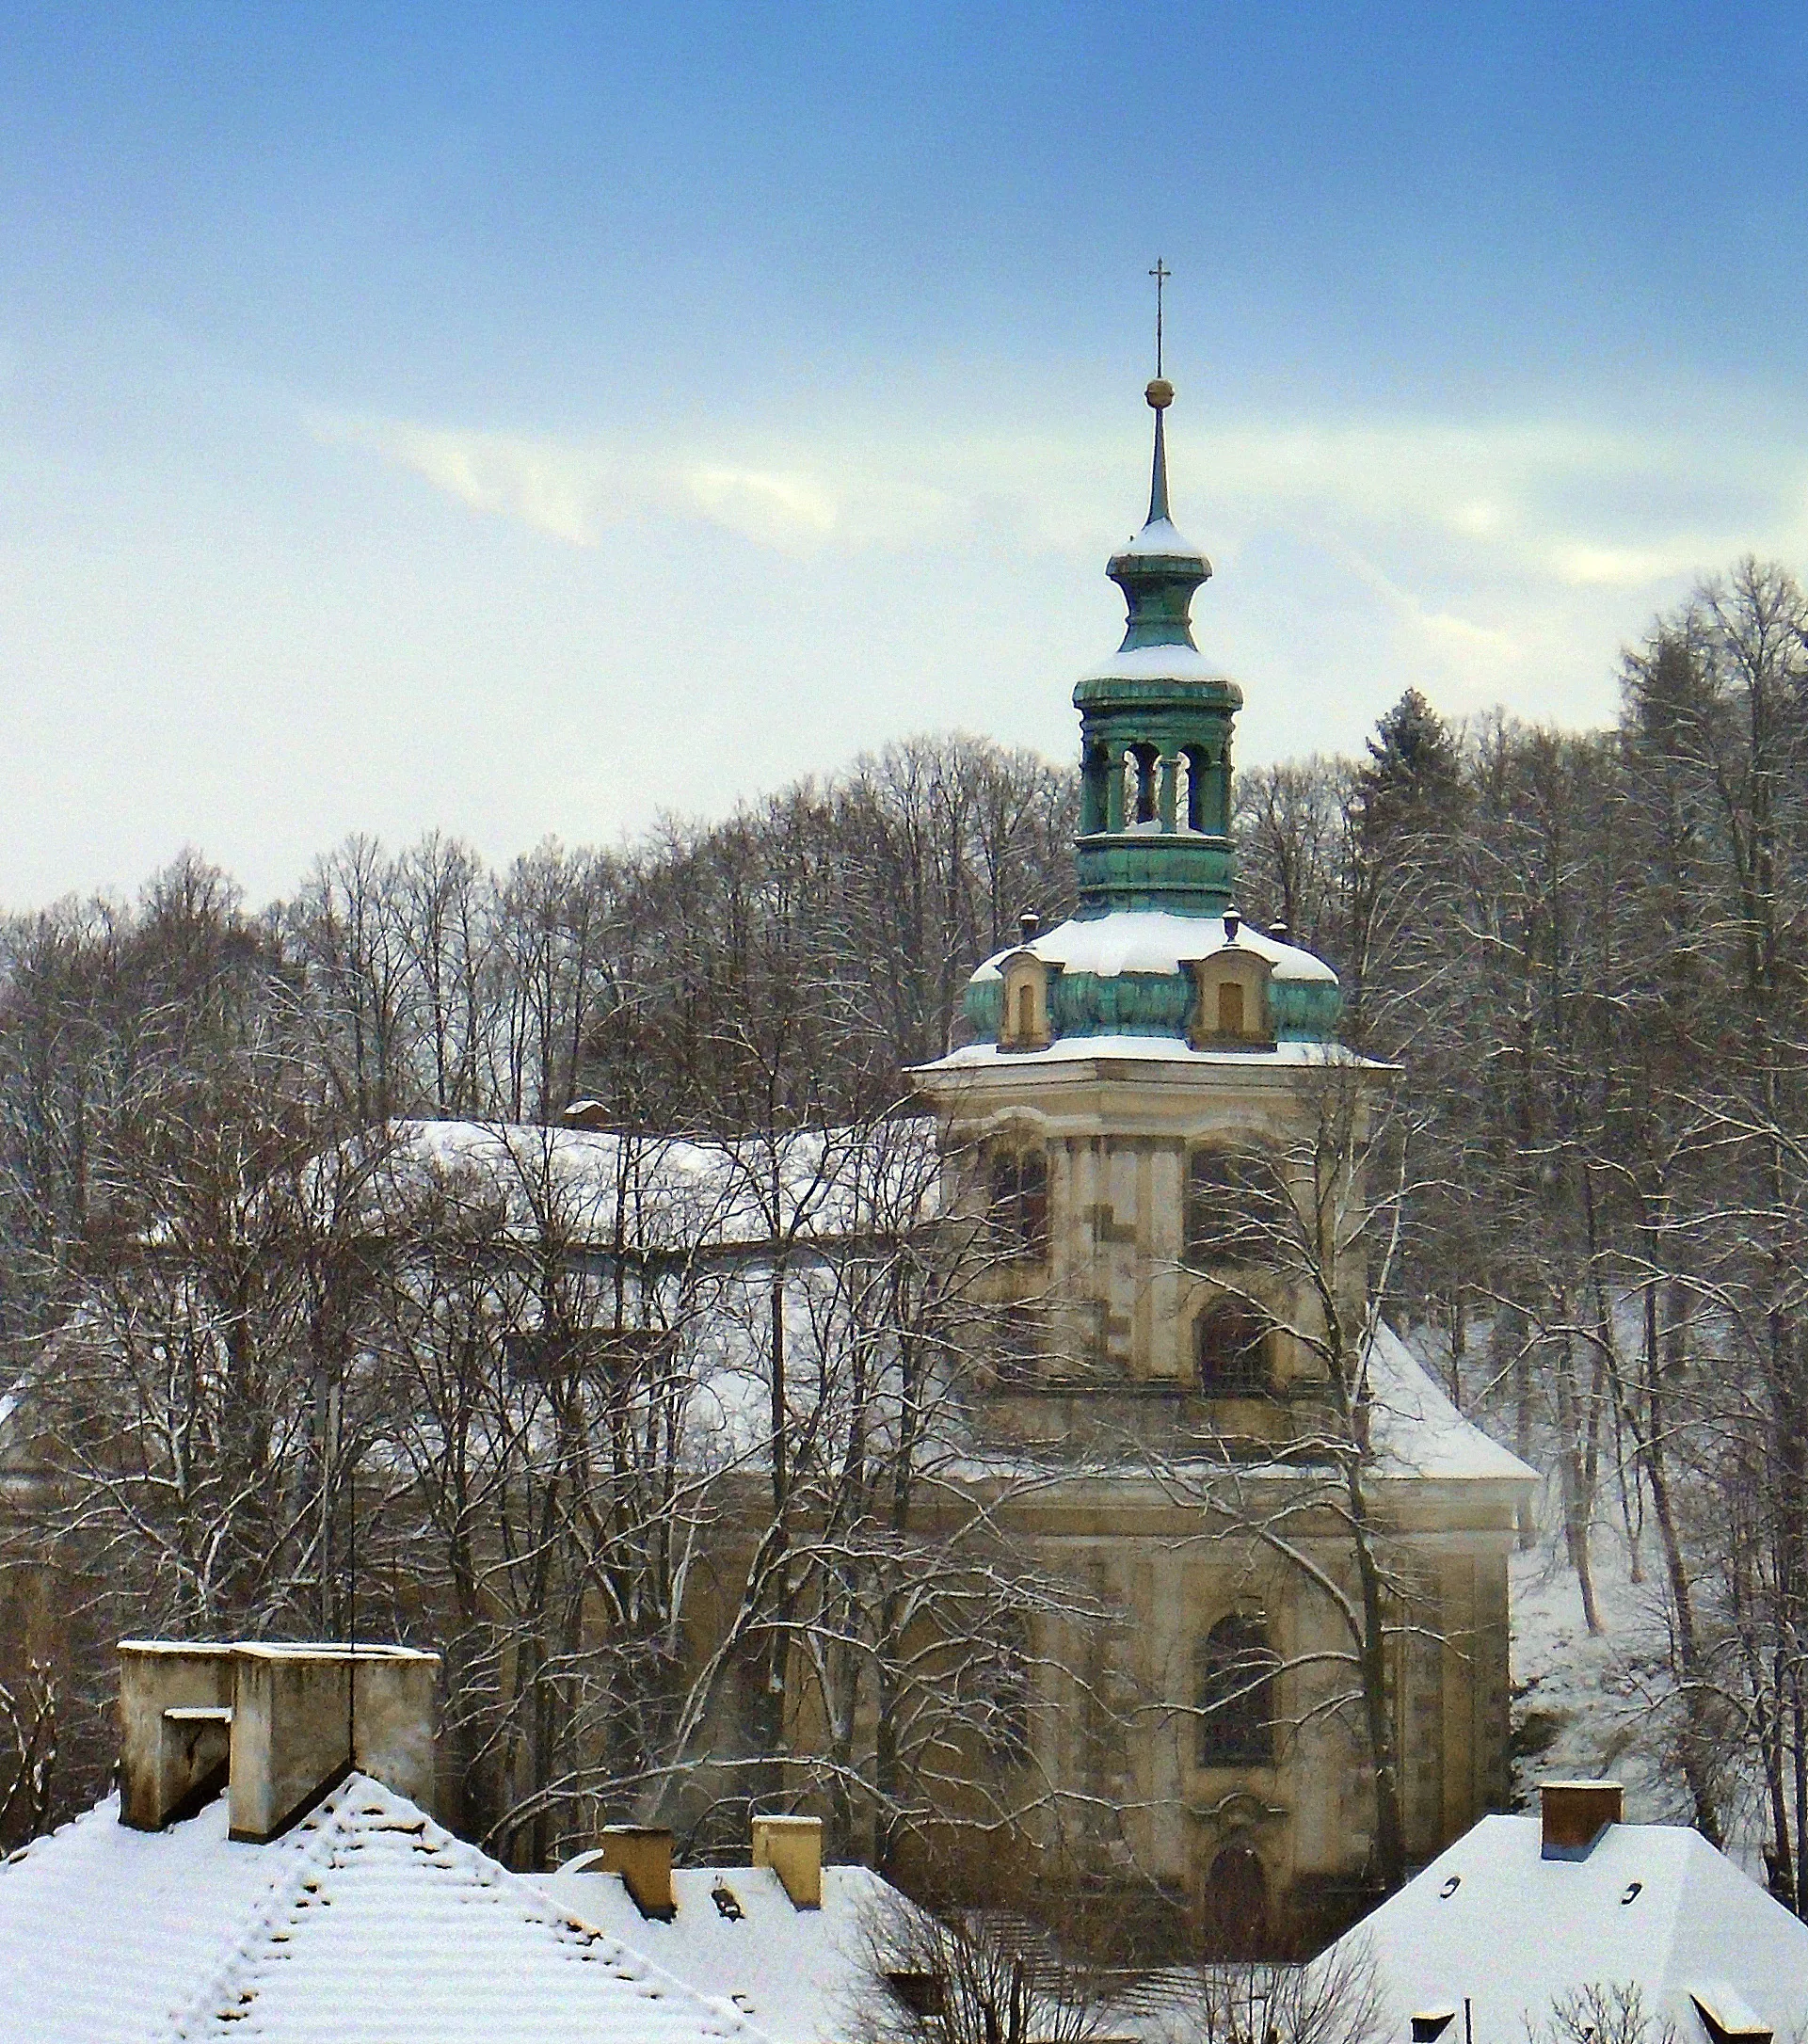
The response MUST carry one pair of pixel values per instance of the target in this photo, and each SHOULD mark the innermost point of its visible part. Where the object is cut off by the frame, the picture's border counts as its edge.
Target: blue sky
(519, 421)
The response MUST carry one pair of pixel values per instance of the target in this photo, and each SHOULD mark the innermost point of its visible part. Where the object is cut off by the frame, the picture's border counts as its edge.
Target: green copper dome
(1155, 932)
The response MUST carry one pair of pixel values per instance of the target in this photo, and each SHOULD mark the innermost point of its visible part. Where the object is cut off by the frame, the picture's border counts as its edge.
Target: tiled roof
(367, 1924)
(803, 1976)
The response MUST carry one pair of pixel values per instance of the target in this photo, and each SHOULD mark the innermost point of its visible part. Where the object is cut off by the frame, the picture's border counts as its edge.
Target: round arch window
(1235, 1695)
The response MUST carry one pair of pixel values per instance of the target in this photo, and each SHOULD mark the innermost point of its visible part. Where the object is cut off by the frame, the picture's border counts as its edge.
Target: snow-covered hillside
(1582, 1705)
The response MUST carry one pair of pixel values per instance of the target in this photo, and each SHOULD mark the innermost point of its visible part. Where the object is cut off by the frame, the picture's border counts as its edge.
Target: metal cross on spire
(1160, 273)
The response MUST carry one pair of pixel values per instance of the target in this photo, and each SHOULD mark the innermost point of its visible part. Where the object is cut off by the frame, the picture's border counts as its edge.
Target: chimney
(277, 1725)
(305, 1715)
(642, 1855)
(1576, 1814)
(792, 1847)
(175, 1724)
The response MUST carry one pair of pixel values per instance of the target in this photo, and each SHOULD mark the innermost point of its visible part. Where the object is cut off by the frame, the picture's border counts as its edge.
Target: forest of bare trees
(259, 1342)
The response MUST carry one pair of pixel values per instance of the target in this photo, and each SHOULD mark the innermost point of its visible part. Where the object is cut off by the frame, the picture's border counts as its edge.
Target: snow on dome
(1158, 538)
(1157, 1050)
(1155, 663)
(1150, 940)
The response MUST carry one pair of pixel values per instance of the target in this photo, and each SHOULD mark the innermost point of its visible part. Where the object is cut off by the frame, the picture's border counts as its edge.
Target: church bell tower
(1135, 1131)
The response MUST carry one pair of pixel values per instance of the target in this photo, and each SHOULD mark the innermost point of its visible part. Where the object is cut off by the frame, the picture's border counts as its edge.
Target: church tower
(1137, 1133)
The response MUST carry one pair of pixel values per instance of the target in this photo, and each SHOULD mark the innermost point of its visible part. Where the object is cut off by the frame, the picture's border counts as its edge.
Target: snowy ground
(1602, 1706)
(1590, 1707)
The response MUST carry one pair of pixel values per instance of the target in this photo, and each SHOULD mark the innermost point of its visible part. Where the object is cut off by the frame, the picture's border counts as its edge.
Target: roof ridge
(19, 1854)
(346, 1817)
(276, 1899)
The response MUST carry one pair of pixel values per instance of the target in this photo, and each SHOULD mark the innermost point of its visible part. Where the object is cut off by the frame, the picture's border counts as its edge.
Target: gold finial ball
(1159, 394)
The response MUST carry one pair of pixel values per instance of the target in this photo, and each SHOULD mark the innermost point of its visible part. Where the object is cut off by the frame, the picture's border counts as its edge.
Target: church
(1184, 1175)
(1252, 1665)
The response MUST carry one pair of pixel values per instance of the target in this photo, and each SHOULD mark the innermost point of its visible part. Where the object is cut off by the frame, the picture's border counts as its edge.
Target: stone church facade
(1156, 1115)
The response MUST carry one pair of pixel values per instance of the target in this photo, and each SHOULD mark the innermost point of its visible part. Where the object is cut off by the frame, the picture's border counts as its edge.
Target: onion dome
(1156, 948)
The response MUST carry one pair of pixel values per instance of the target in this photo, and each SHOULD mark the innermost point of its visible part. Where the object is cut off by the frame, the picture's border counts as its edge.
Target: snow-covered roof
(800, 1975)
(1155, 663)
(816, 1184)
(1151, 1049)
(1151, 941)
(1652, 1904)
(1415, 1430)
(365, 1923)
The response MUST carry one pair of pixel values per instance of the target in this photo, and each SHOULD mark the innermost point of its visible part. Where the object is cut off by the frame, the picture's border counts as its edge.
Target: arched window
(1095, 771)
(1237, 1210)
(1234, 1694)
(1026, 1011)
(1145, 759)
(1020, 1202)
(1198, 770)
(1230, 1346)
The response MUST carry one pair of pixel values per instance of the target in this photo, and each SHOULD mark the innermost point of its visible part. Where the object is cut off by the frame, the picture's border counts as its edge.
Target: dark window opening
(1026, 1013)
(571, 1355)
(1144, 756)
(1095, 771)
(920, 1993)
(1020, 1202)
(1230, 1344)
(1236, 1211)
(1230, 1008)
(1236, 1695)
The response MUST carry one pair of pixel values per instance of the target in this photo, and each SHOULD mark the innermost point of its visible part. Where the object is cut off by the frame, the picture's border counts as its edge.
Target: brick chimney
(276, 1725)
(792, 1847)
(1576, 1813)
(642, 1855)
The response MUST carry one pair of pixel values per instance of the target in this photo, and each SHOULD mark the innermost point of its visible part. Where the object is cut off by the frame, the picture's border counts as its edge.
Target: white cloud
(1588, 506)
(1493, 561)
(560, 490)
(779, 508)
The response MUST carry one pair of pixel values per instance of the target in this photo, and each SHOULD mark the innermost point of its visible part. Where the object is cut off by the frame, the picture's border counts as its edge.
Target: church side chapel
(1160, 1130)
